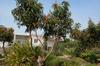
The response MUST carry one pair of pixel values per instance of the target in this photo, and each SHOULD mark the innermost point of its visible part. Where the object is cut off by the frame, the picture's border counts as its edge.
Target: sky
(81, 11)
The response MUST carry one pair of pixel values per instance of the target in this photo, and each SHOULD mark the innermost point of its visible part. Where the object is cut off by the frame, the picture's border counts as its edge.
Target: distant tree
(98, 31)
(91, 34)
(76, 33)
(98, 34)
(6, 35)
(28, 13)
(88, 37)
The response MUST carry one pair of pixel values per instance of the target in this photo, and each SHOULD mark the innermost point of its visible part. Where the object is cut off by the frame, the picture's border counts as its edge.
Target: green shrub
(77, 52)
(97, 52)
(69, 63)
(67, 47)
(22, 54)
(1, 56)
(90, 64)
(52, 60)
(89, 56)
(74, 61)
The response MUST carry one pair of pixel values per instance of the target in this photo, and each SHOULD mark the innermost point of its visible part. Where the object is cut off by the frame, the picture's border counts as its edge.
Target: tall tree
(28, 13)
(91, 33)
(58, 23)
(76, 33)
(98, 34)
(6, 35)
(88, 37)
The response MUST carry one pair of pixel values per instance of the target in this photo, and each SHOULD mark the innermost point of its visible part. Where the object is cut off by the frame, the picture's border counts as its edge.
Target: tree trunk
(39, 39)
(3, 47)
(51, 50)
(45, 45)
(40, 60)
(30, 33)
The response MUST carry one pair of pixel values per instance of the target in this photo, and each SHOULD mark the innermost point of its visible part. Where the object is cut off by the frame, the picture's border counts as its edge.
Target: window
(35, 40)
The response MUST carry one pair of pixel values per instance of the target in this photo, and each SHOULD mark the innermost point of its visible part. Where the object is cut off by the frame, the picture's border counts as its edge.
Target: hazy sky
(81, 11)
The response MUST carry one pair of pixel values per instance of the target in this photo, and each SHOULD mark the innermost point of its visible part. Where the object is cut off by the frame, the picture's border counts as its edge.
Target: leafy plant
(89, 56)
(22, 54)
(1, 56)
(52, 60)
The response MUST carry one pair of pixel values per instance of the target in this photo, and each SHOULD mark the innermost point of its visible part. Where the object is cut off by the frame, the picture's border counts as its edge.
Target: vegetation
(88, 37)
(6, 35)
(29, 57)
(58, 22)
(77, 50)
(22, 55)
(89, 40)
(28, 13)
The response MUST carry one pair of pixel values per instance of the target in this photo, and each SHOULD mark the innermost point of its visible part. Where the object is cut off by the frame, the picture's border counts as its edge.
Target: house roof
(1, 26)
(22, 36)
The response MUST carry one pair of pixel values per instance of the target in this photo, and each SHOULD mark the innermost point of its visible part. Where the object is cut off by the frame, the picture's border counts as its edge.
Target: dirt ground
(98, 64)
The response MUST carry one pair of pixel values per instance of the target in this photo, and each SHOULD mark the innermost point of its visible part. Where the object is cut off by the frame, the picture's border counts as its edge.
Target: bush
(89, 56)
(67, 47)
(74, 61)
(1, 56)
(22, 54)
(69, 63)
(52, 60)
(97, 52)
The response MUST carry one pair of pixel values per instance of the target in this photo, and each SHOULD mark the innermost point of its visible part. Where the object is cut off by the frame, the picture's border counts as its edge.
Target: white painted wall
(38, 42)
(50, 43)
(1, 44)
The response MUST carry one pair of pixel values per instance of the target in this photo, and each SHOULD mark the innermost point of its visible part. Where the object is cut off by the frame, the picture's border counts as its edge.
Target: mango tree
(28, 13)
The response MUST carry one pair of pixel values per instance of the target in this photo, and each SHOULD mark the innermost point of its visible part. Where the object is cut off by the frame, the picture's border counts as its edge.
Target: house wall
(1, 44)
(50, 43)
(23, 38)
(36, 42)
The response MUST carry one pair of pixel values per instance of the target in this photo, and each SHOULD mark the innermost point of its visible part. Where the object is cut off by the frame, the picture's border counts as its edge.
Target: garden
(82, 48)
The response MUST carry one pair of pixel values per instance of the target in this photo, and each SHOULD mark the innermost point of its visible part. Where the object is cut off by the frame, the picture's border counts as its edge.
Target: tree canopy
(89, 37)
(58, 22)
(6, 35)
(28, 13)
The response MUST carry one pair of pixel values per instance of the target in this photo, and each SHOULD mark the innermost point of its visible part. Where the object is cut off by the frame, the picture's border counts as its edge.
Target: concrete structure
(35, 41)
(25, 38)
(1, 44)
(21, 38)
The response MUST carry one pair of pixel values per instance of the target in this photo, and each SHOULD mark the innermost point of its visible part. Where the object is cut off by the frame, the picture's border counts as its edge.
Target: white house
(24, 38)
(35, 41)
